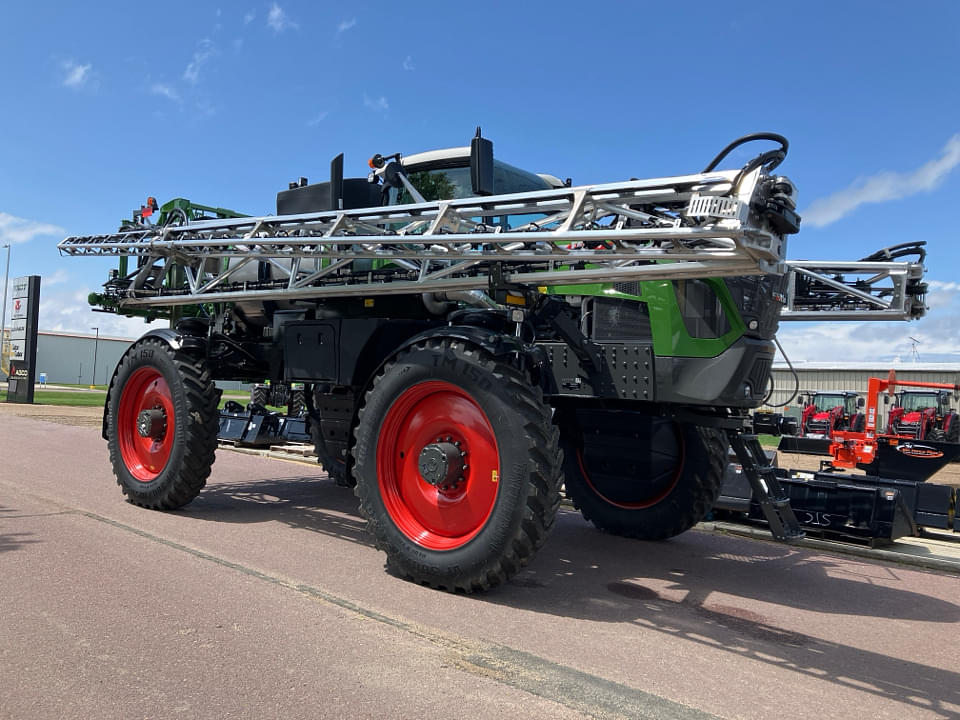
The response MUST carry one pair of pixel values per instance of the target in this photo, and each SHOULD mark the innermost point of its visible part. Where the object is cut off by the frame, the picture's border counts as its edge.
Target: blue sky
(106, 103)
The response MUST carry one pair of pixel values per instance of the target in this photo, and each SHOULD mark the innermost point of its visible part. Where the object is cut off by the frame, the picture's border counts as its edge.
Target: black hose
(782, 152)
(796, 380)
(901, 250)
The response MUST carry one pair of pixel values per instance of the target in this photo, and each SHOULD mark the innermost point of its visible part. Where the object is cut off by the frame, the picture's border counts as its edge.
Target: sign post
(23, 339)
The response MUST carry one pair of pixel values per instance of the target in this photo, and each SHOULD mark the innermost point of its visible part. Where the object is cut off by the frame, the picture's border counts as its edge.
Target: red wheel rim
(145, 457)
(673, 477)
(432, 517)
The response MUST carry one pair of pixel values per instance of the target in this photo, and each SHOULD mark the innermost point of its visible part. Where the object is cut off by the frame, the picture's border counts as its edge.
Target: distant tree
(432, 185)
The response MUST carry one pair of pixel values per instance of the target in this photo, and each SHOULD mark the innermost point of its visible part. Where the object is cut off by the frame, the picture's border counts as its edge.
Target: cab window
(454, 182)
(702, 312)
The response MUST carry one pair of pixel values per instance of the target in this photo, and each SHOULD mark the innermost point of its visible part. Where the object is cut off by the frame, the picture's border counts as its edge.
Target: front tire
(641, 476)
(162, 425)
(457, 466)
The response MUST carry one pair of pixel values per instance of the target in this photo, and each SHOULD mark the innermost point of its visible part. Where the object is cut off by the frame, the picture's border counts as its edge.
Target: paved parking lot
(265, 598)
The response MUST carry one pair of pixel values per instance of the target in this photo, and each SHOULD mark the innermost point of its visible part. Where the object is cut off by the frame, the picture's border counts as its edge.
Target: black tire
(171, 397)
(951, 427)
(858, 423)
(336, 467)
(260, 395)
(297, 405)
(444, 396)
(641, 476)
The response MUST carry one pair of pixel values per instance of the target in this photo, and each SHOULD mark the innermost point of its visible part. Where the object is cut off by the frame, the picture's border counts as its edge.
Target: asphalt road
(264, 599)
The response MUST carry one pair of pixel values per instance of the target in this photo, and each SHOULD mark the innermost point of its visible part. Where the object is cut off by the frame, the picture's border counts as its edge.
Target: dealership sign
(23, 338)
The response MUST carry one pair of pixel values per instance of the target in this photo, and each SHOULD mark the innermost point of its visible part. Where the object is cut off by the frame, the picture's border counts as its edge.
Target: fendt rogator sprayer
(471, 335)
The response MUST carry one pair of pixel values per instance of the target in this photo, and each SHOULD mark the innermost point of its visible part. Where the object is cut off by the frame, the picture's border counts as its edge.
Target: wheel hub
(441, 464)
(152, 423)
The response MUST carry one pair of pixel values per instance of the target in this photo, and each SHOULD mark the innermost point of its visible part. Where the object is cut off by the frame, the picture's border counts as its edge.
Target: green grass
(96, 398)
(768, 440)
(69, 398)
(83, 386)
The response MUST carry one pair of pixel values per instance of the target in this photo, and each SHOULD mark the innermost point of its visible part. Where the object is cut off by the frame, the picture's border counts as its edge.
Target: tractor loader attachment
(892, 497)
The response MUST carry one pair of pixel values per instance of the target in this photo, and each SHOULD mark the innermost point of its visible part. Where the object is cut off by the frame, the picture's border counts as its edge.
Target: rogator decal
(919, 451)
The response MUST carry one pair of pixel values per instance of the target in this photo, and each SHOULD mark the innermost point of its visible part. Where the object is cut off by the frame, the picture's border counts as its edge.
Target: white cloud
(379, 104)
(317, 119)
(883, 187)
(16, 230)
(408, 63)
(278, 19)
(57, 277)
(166, 91)
(76, 75)
(346, 25)
(205, 51)
(249, 17)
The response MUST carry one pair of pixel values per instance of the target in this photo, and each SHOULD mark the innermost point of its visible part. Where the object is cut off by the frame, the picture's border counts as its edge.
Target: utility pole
(3, 317)
(96, 343)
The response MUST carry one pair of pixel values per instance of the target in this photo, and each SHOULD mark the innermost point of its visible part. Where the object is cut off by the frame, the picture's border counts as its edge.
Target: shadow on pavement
(311, 503)
(692, 587)
(713, 590)
(10, 541)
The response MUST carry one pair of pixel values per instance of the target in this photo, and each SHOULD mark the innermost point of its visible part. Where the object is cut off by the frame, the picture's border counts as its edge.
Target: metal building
(852, 376)
(69, 357)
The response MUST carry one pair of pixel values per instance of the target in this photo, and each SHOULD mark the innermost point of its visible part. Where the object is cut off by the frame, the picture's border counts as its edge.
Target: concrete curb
(924, 552)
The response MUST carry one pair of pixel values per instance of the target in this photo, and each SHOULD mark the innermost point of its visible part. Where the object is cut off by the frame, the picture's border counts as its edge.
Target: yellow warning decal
(368, 302)
(494, 476)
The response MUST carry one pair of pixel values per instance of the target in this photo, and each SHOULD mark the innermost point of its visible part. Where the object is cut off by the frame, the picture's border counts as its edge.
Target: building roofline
(878, 368)
(57, 333)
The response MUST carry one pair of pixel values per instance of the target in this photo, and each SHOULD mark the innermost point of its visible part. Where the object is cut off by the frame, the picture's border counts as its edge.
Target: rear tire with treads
(641, 476)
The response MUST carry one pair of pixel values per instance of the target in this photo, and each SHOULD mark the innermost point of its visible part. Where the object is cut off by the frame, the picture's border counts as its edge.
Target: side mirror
(336, 183)
(886, 399)
(481, 165)
(861, 402)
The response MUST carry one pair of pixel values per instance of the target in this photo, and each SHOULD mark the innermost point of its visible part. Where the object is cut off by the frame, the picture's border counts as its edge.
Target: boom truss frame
(691, 226)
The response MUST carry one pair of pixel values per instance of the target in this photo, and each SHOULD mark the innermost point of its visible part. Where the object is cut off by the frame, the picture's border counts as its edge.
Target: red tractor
(923, 415)
(824, 412)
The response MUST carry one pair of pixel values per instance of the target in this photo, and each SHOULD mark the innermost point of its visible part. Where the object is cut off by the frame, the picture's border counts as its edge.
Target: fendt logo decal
(919, 451)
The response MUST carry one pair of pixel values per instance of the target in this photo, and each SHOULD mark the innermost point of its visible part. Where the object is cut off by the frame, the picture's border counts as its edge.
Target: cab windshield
(452, 183)
(827, 402)
(918, 401)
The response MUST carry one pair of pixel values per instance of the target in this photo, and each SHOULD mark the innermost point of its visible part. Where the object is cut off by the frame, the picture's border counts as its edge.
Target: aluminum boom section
(687, 226)
(859, 290)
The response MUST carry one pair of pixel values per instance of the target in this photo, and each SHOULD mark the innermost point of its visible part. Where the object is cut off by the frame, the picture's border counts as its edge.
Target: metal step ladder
(767, 491)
